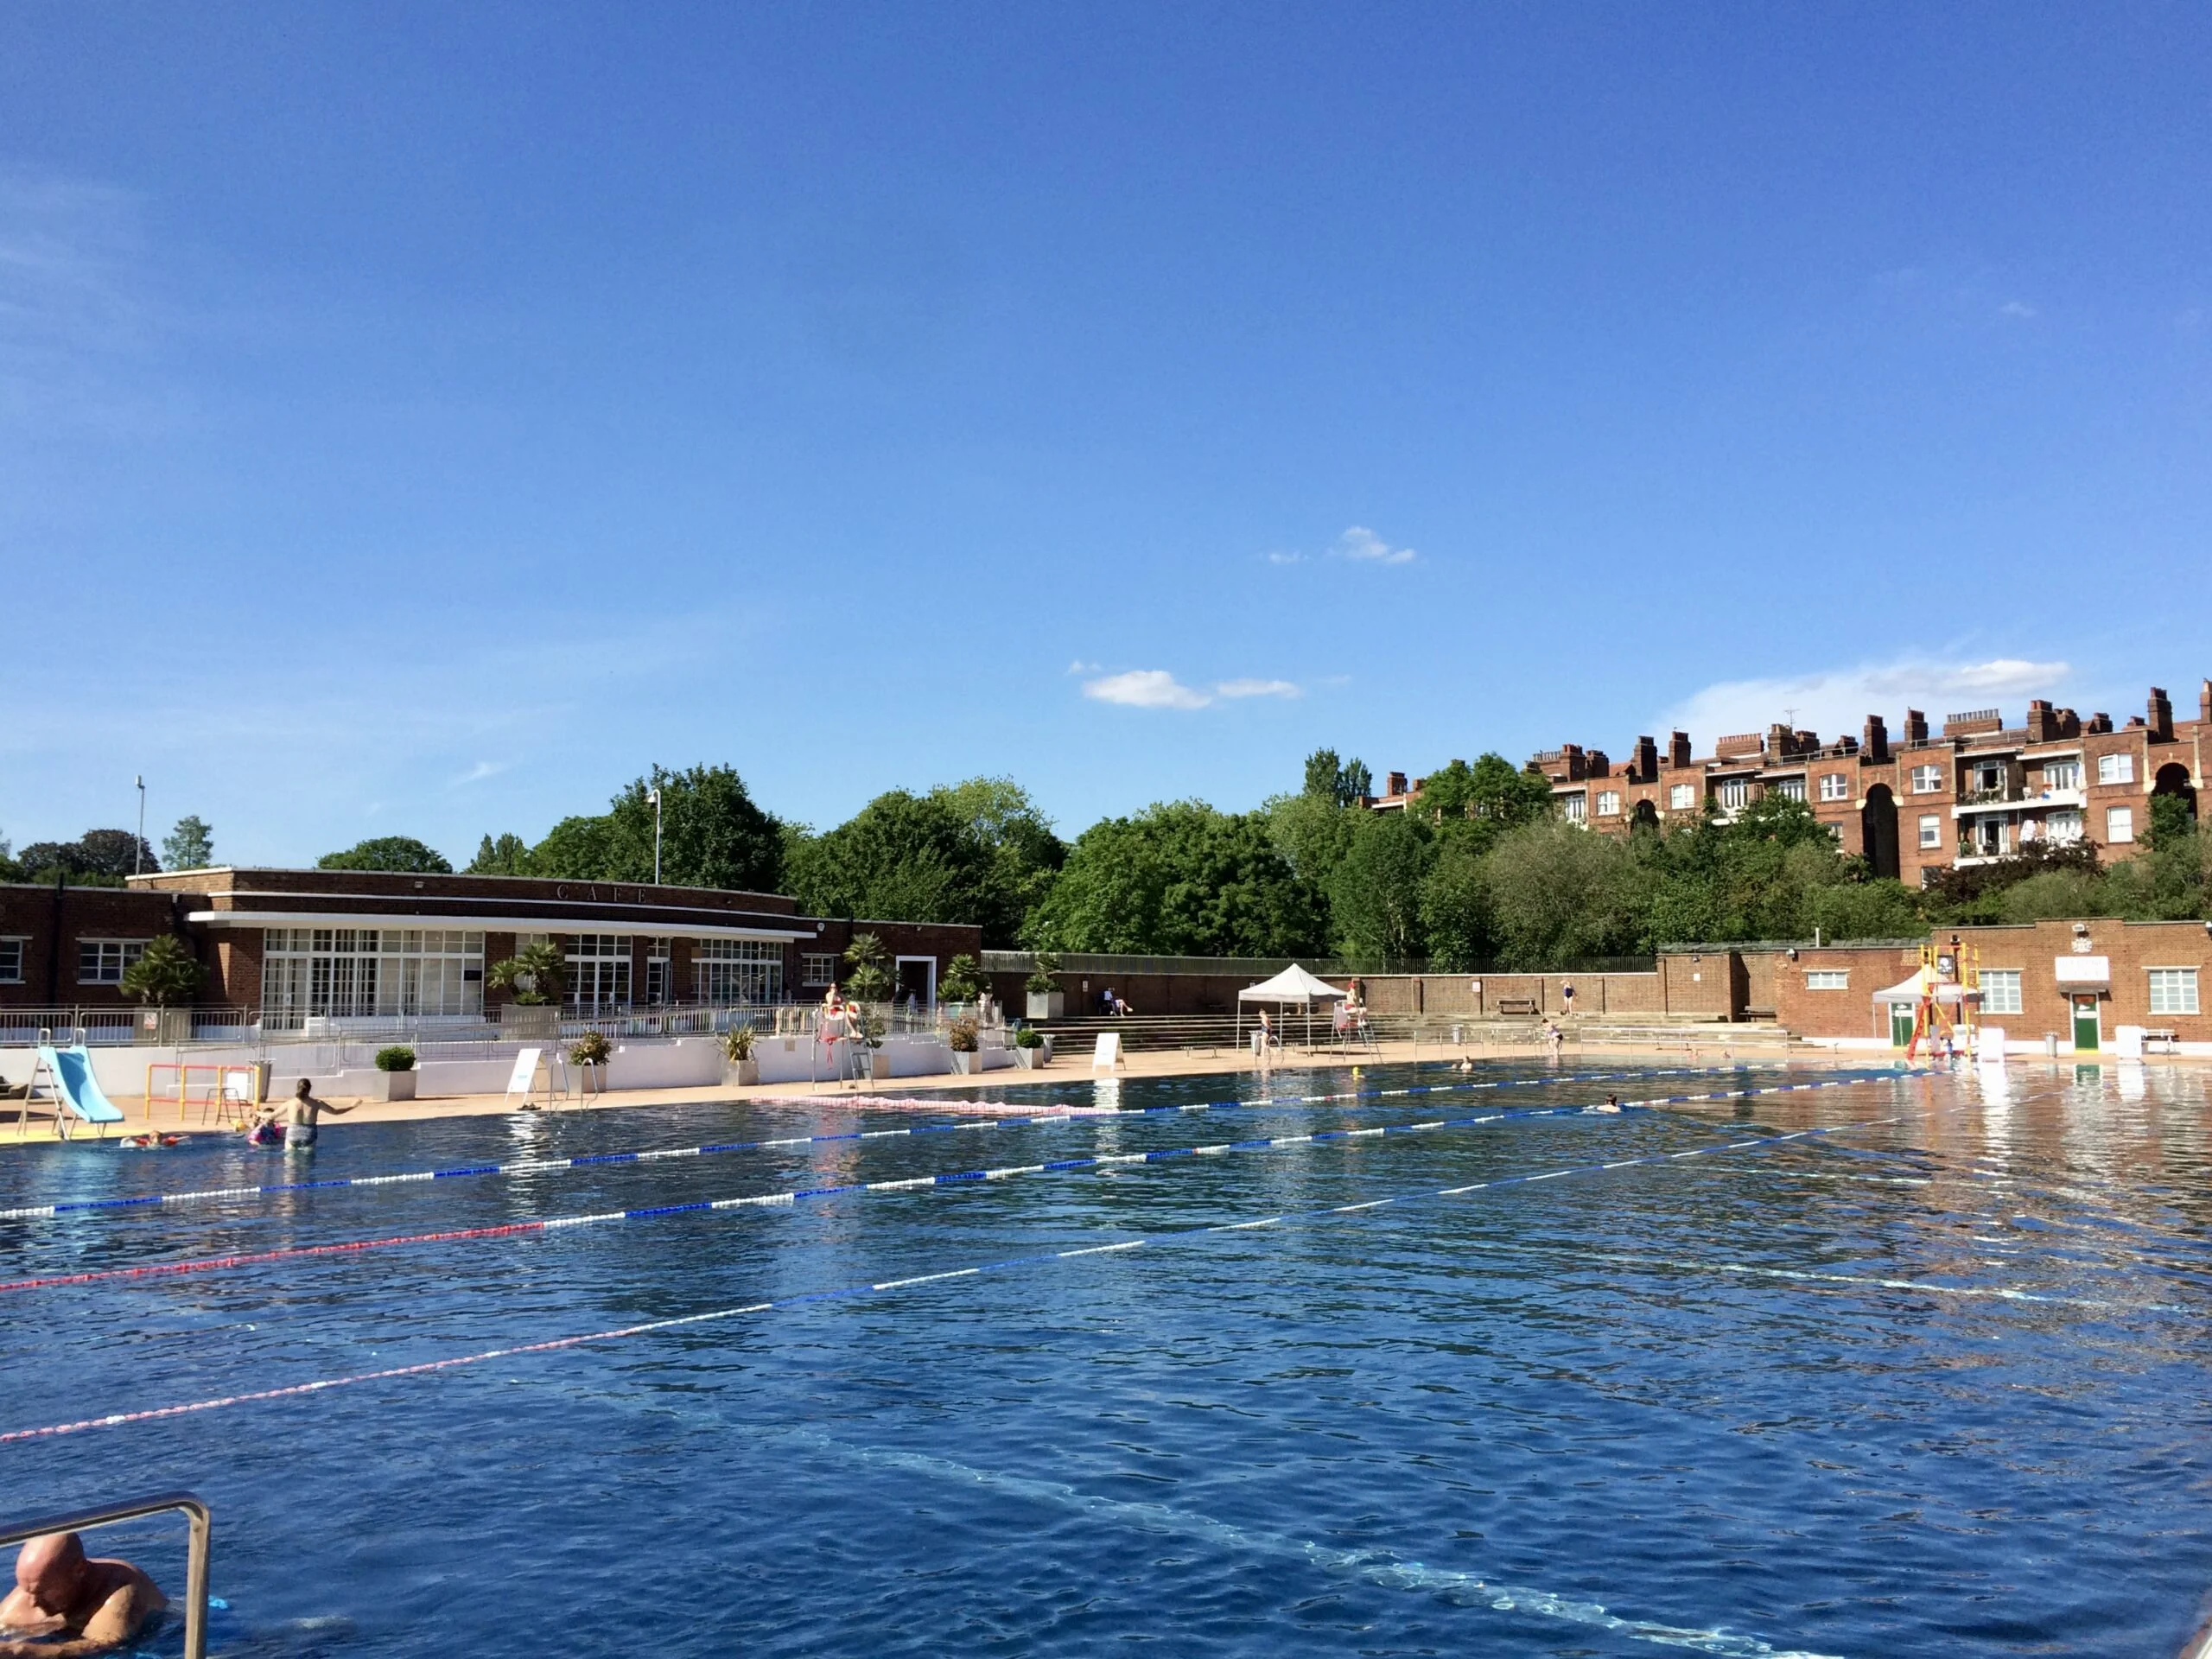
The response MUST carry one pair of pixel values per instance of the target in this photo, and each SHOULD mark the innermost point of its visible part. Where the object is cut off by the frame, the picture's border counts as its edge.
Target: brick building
(286, 944)
(1911, 801)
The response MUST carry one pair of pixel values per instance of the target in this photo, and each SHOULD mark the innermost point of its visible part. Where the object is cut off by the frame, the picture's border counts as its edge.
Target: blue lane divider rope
(540, 1165)
(537, 1227)
(886, 1287)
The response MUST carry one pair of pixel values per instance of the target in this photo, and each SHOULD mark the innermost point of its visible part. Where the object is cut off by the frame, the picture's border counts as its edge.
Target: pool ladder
(195, 1579)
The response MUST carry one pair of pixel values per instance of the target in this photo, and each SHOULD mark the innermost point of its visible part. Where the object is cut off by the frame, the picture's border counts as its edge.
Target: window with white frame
(599, 973)
(1835, 786)
(2000, 990)
(2173, 990)
(1927, 781)
(1827, 979)
(1574, 808)
(659, 984)
(101, 962)
(820, 969)
(11, 960)
(1790, 789)
(2115, 768)
(1680, 797)
(2061, 774)
(2062, 827)
(1735, 794)
(739, 971)
(357, 972)
(1931, 831)
(1609, 803)
(2119, 825)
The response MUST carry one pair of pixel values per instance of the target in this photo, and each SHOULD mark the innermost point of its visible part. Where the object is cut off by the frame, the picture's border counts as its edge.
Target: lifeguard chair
(1949, 1008)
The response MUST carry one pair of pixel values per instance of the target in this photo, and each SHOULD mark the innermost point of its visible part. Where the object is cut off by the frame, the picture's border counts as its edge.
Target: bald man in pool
(65, 1604)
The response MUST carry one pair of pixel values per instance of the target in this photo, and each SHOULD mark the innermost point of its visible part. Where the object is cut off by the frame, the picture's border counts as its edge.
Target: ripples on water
(1937, 1387)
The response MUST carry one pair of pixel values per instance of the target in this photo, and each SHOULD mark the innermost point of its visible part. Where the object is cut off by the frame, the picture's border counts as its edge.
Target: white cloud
(1837, 701)
(2019, 310)
(1286, 558)
(480, 771)
(1257, 689)
(1362, 543)
(1079, 666)
(1145, 688)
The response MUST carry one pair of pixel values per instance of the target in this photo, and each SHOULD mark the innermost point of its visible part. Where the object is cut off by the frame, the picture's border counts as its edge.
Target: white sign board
(525, 1076)
(2083, 970)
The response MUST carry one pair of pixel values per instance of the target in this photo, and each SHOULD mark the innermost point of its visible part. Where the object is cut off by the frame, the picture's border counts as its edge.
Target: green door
(1900, 1024)
(2087, 1024)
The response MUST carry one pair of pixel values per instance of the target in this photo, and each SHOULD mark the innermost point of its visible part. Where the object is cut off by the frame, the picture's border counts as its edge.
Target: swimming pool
(1933, 1385)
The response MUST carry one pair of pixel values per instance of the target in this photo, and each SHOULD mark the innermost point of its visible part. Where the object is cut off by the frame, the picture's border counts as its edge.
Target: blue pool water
(1938, 1386)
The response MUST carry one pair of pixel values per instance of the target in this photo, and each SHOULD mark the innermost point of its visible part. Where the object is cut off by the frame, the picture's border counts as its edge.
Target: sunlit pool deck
(1788, 1357)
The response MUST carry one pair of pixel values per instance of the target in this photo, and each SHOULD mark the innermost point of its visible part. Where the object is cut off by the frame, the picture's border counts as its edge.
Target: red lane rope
(212, 1263)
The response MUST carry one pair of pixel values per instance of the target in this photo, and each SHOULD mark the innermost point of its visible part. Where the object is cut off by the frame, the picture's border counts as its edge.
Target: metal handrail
(195, 1512)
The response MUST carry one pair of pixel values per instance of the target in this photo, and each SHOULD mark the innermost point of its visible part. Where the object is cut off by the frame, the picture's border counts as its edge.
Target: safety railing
(196, 1515)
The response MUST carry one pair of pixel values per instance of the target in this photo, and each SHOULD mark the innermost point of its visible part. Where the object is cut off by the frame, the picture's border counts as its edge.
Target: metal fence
(1259, 968)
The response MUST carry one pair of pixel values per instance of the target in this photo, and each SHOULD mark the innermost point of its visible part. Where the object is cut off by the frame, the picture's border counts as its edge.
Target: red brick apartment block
(1909, 802)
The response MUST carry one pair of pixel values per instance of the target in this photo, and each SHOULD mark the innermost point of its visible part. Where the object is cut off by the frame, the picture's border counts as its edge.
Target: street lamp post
(653, 795)
(138, 852)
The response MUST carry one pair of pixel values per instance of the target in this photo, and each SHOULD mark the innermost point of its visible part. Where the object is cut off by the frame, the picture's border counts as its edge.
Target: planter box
(966, 1064)
(532, 1022)
(1047, 1005)
(1030, 1058)
(879, 1066)
(393, 1085)
(742, 1074)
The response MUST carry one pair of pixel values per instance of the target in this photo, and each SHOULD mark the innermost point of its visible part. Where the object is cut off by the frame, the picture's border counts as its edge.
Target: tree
(963, 981)
(901, 858)
(1557, 892)
(1312, 833)
(190, 846)
(166, 973)
(1374, 893)
(402, 853)
(712, 834)
(509, 855)
(539, 973)
(99, 858)
(1025, 855)
(1180, 878)
(9, 869)
(1358, 783)
(577, 849)
(867, 980)
(1455, 911)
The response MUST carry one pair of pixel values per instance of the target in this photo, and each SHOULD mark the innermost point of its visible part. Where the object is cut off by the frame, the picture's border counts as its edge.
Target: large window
(101, 962)
(353, 972)
(739, 971)
(1790, 789)
(11, 961)
(818, 970)
(1735, 794)
(2061, 774)
(1680, 797)
(2115, 768)
(1827, 979)
(1931, 831)
(2000, 990)
(1927, 781)
(657, 970)
(2119, 825)
(2173, 990)
(599, 973)
(1574, 807)
(1609, 803)
(1835, 786)
(2062, 827)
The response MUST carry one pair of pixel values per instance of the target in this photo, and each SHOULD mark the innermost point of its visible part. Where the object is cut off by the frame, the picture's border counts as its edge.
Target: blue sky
(419, 420)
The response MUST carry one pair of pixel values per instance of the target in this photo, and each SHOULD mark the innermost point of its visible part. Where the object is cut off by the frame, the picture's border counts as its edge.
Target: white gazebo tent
(1906, 996)
(1293, 988)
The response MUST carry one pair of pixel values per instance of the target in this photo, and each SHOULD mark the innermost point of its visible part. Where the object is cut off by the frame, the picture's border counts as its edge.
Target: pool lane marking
(1072, 1115)
(791, 1198)
(887, 1286)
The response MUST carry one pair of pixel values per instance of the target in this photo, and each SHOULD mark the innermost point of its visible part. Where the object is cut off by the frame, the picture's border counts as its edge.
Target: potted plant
(963, 981)
(867, 980)
(738, 1067)
(1046, 1001)
(395, 1072)
(166, 973)
(1029, 1050)
(538, 974)
(589, 1054)
(961, 1037)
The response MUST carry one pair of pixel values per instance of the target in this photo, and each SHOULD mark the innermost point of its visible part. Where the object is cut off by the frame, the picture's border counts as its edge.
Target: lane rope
(540, 1165)
(791, 1197)
(912, 1281)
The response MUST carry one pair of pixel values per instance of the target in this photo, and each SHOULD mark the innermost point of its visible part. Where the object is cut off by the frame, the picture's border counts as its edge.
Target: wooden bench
(1517, 1005)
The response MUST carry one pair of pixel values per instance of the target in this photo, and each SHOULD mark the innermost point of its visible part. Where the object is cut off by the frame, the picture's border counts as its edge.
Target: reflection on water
(1934, 1386)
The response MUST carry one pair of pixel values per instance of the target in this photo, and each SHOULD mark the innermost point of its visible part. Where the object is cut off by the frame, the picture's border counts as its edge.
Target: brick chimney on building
(1395, 783)
(1678, 746)
(1874, 739)
(2043, 721)
(1645, 768)
(2161, 713)
(1915, 725)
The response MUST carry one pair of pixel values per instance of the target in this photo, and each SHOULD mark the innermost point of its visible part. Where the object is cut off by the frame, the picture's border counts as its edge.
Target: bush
(1041, 977)
(1029, 1037)
(960, 1036)
(963, 981)
(539, 973)
(166, 973)
(397, 1057)
(590, 1049)
(737, 1043)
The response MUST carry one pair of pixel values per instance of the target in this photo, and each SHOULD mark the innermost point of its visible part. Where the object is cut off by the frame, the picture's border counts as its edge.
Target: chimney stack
(1678, 746)
(1874, 739)
(1646, 768)
(1915, 725)
(2161, 713)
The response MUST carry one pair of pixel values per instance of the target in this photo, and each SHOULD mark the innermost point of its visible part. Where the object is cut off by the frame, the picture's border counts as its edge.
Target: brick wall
(51, 924)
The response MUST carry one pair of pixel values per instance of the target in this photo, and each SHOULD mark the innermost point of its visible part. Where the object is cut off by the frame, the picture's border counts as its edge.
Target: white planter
(1030, 1058)
(879, 1066)
(967, 1063)
(742, 1074)
(394, 1085)
(1047, 1005)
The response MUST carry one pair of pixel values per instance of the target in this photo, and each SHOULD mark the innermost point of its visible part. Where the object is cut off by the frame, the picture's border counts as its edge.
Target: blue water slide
(75, 1088)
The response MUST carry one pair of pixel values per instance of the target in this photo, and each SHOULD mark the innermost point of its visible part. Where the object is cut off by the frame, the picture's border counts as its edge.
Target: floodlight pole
(138, 852)
(653, 795)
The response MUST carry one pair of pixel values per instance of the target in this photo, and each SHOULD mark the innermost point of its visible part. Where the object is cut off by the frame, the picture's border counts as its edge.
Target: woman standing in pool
(299, 1114)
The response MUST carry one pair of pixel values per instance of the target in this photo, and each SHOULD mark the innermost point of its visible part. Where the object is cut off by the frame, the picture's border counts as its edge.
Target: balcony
(1987, 800)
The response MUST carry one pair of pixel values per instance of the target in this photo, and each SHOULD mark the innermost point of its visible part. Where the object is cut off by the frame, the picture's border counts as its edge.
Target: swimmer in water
(1613, 1104)
(298, 1115)
(65, 1605)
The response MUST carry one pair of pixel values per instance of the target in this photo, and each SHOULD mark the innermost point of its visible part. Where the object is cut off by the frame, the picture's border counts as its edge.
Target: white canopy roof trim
(488, 924)
(1294, 984)
(1907, 990)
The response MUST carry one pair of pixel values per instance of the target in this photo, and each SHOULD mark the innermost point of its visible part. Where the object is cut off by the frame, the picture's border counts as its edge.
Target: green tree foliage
(1554, 891)
(166, 974)
(867, 978)
(99, 858)
(403, 854)
(963, 981)
(10, 870)
(978, 852)
(576, 849)
(712, 834)
(505, 854)
(1375, 892)
(1181, 879)
(1340, 782)
(1312, 833)
(537, 973)
(190, 846)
